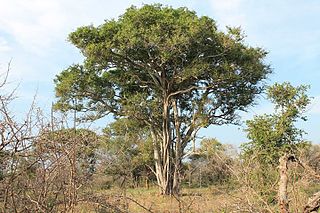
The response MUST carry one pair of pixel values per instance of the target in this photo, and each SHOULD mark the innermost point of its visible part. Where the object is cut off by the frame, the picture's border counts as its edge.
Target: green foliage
(211, 146)
(211, 163)
(167, 69)
(273, 135)
(262, 179)
(129, 151)
(132, 63)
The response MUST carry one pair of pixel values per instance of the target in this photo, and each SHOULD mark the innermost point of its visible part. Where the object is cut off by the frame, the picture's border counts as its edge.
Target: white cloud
(36, 24)
(36, 33)
(31, 23)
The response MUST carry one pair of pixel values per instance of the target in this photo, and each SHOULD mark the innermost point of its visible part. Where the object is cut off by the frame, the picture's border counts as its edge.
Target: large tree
(167, 68)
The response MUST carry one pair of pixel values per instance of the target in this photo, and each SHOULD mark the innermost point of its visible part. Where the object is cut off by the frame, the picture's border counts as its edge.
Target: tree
(167, 68)
(211, 163)
(128, 151)
(273, 135)
(275, 139)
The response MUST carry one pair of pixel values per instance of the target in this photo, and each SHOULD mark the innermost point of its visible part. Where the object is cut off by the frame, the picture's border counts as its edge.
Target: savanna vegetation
(163, 74)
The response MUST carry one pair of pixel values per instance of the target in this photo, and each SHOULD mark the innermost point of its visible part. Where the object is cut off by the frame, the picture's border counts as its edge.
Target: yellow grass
(148, 200)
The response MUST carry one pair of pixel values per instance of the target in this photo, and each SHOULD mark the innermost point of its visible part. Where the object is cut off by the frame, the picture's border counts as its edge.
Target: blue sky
(33, 34)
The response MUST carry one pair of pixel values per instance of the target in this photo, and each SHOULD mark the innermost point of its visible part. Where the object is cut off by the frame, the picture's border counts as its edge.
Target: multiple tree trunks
(167, 68)
(168, 151)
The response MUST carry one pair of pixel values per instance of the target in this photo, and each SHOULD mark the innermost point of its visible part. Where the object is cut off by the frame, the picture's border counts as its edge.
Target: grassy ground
(199, 200)
(148, 200)
(192, 200)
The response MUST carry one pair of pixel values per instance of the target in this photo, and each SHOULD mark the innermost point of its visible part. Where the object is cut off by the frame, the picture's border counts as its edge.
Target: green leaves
(129, 146)
(157, 54)
(167, 69)
(272, 135)
(289, 98)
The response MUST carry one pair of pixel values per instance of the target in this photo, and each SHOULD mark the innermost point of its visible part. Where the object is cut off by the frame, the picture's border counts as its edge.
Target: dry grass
(148, 200)
(192, 200)
(220, 199)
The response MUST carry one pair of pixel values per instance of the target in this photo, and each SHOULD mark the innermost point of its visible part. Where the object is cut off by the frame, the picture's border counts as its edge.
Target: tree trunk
(167, 156)
(168, 176)
(178, 149)
(176, 177)
(283, 183)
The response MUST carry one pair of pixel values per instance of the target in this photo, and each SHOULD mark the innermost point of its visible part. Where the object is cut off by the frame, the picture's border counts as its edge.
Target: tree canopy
(157, 49)
(167, 68)
(272, 135)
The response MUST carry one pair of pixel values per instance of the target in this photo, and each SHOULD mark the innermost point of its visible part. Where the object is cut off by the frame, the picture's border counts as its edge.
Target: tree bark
(283, 183)
(177, 148)
(168, 152)
(163, 154)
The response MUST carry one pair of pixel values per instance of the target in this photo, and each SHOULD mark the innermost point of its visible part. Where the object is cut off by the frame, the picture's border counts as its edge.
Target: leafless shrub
(43, 164)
